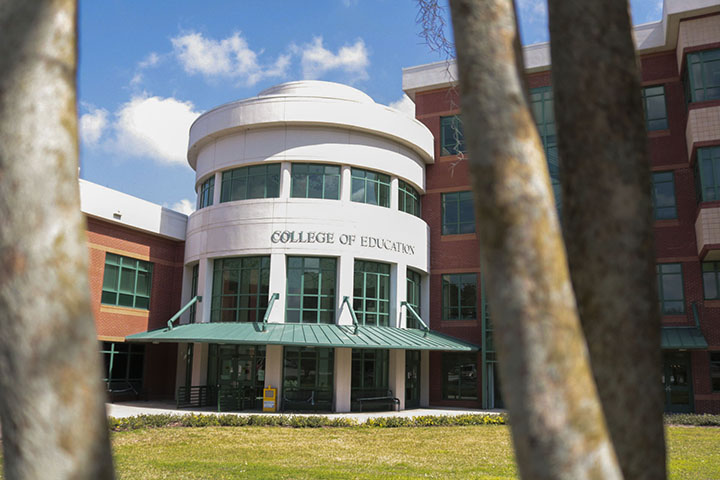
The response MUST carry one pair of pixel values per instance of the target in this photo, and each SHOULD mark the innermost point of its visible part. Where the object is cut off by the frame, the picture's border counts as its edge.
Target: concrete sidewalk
(131, 409)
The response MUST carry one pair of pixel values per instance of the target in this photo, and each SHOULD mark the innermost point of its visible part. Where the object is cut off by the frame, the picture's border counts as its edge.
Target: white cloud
(155, 127)
(183, 206)
(405, 105)
(150, 61)
(230, 57)
(93, 125)
(316, 60)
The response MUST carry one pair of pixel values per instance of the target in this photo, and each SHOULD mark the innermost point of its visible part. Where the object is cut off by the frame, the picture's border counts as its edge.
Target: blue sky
(148, 69)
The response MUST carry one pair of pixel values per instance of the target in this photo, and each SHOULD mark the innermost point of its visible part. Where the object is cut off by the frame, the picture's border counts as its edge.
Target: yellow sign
(269, 399)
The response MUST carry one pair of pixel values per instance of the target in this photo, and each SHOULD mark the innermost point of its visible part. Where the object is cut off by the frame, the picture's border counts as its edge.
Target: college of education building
(333, 253)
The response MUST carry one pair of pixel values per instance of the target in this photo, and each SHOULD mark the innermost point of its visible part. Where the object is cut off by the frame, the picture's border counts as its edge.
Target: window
(711, 280)
(123, 363)
(663, 195)
(240, 289)
(369, 372)
(408, 199)
(413, 297)
(452, 138)
(315, 181)
(459, 296)
(708, 173)
(258, 181)
(310, 290)
(459, 376)
(193, 291)
(541, 103)
(371, 293)
(715, 371)
(670, 288)
(370, 187)
(207, 191)
(126, 282)
(702, 77)
(654, 107)
(458, 214)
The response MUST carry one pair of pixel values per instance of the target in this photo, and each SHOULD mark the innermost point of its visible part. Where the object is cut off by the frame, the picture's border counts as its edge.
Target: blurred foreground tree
(548, 375)
(51, 398)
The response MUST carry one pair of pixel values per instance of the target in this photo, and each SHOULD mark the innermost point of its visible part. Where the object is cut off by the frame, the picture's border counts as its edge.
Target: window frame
(710, 270)
(323, 314)
(691, 87)
(545, 122)
(452, 136)
(380, 186)
(408, 199)
(646, 96)
(708, 158)
(661, 293)
(458, 199)
(193, 291)
(257, 302)
(413, 295)
(715, 371)
(123, 264)
(656, 206)
(251, 176)
(111, 352)
(325, 179)
(206, 193)
(361, 302)
(458, 281)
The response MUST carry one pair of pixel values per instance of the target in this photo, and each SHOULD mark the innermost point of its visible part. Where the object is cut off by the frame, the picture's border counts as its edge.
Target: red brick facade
(675, 239)
(114, 323)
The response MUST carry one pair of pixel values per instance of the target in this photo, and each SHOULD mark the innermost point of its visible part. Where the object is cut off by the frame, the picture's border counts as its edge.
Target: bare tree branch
(607, 221)
(51, 399)
(557, 420)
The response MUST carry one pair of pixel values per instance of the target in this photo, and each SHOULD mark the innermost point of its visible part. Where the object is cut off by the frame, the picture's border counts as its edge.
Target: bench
(118, 388)
(380, 397)
(300, 399)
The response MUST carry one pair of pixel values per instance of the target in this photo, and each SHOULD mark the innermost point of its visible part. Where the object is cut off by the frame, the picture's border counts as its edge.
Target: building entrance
(412, 378)
(677, 382)
(238, 373)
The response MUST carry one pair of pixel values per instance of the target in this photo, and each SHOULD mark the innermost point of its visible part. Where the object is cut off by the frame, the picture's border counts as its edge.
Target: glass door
(677, 382)
(412, 378)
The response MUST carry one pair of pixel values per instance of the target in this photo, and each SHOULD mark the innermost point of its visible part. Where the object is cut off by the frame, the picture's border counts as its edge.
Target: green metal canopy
(686, 338)
(310, 335)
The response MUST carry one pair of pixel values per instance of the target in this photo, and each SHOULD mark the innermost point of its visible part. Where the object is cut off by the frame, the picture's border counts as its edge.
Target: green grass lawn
(363, 453)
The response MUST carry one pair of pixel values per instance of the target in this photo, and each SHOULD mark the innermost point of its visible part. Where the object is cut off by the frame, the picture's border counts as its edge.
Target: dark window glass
(703, 75)
(459, 296)
(371, 293)
(308, 378)
(311, 180)
(123, 363)
(413, 297)
(708, 171)
(310, 290)
(457, 213)
(663, 195)
(715, 371)
(408, 199)
(257, 181)
(369, 372)
(654, 108)
(193, 291)
(711, 275)
(207, 191)
(452, 137)
(670, 288)
(127, 282)
(460, 376)
(541, 103)
(370, 187)
(240, 289)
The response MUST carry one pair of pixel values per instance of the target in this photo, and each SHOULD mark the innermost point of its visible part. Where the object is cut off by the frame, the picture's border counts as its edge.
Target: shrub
(698, 420)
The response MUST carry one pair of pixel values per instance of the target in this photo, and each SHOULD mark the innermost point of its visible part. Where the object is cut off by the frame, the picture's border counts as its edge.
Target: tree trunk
(607, 221)
(51, 397)
(556, 418)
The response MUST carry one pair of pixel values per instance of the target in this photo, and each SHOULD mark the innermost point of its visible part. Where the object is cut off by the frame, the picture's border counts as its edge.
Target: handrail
(346, 300)
(410, 309)
(273, 297)
(196, 298)
(696, 315)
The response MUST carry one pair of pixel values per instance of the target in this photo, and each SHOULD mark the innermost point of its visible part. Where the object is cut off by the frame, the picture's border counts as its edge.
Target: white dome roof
(316, 88)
